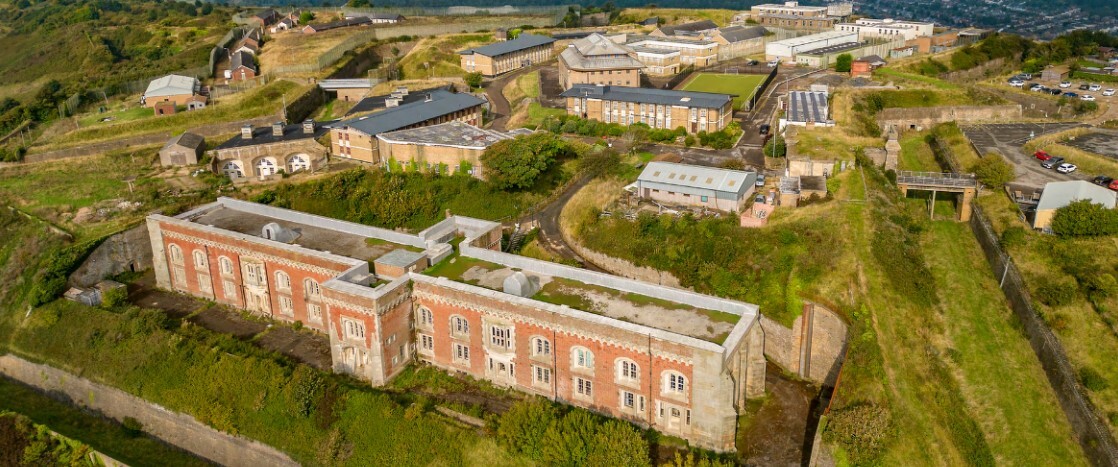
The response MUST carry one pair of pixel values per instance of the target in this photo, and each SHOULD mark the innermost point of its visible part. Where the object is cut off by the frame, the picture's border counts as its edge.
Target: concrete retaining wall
(920, 118)
(172, 427)
(814, 352)
(624, 268)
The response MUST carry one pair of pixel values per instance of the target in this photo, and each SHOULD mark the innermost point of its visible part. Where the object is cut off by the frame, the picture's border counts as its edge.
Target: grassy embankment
(438, 56)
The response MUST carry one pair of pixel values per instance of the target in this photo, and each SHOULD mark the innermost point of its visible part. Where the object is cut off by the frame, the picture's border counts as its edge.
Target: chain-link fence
(1094, 436)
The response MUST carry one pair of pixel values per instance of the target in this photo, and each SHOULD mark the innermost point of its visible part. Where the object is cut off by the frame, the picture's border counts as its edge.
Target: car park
(1065, 84)
(1041, 155)
(1086, 97)
(1052, 162)
(1108, 92)
(1095, 87)
(1102, 180)
(1084, 87)
(1066, 168)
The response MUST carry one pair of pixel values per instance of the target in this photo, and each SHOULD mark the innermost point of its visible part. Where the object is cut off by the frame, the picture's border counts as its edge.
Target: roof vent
(427, 98)
(685, 99)
(246, 132)
(273, 231)
(308, 126)
(391, 102)
(277, 129)
(520, 285)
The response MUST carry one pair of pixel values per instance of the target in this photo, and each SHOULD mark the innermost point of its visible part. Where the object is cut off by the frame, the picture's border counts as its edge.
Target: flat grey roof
(706, 100)
(699, 177)
(807, 106)
(263, 135)
(830, 49)
(523, 41)
(400, 257)
(1059, 194)
(446, 134)
(442, 103)
(309, 236)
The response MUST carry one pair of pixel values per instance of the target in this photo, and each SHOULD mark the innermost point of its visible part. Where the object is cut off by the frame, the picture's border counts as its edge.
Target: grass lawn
(916, 155)
(895, 74)
(116, 116)
(99, 433)
(438, 56)
(537, 113)
(742, 86)
(525, 86)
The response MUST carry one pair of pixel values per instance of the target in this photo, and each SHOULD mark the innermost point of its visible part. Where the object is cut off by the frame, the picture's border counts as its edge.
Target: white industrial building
(787, 49)
(693, 185)
(867, 28)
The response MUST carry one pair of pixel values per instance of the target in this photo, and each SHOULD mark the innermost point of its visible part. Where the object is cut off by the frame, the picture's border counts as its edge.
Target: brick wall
(672, 116)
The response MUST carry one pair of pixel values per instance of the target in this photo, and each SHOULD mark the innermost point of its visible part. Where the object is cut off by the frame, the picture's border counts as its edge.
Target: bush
(515, 164)
(775, 148)
(843, 63)
(1092, 380)
(993, 171)
(1085, 219)
(535, 428)
(114, 298)
(1056, 293)
(861, 429)
(473, 80)
(1013, 236)
(522, 427)
(891, 175)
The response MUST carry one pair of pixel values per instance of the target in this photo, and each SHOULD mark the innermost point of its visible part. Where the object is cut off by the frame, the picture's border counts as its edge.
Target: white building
(786, 50)
(693, 185)
(806, 108)
(867, 28)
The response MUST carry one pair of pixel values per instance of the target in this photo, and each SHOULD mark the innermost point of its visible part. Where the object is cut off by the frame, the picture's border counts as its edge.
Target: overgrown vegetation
(517, 163)
(554, 436)
(1084, 218)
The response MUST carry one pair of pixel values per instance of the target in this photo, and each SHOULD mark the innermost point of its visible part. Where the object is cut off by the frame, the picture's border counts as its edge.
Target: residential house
(264, 18)
(242, 66)
(285, 24)
(264, 152)
(1059, 194)
(355, 138)
(657, 108)
(444, 149)
(598, 60)
(651, 21)
(503, 57)
(379, 18)
(246, 44)
(344, 23)
(176, 89)
(184, 149)
(695, 186)
(685, 369)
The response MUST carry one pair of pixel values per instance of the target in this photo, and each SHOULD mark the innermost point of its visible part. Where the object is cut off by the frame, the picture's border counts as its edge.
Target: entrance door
(300, 162)
(266, 167)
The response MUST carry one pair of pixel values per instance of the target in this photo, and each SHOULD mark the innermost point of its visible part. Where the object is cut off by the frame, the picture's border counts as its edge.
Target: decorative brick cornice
(250, 253)
(520, 318)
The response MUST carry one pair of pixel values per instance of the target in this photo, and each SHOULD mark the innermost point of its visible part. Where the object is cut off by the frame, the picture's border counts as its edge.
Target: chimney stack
(427, 98)
(277, 129)
(308, 126)
(246, 132)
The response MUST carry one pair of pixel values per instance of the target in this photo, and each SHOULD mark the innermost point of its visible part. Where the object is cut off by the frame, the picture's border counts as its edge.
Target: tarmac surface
(1103, 142)
(1007, 139)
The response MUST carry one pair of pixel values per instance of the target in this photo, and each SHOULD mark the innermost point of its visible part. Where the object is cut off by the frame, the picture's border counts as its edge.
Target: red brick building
(665, 358)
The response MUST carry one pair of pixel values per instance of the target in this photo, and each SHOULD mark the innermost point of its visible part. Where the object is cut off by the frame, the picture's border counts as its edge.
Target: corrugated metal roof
(441, 103)
(523, 41)
(741, 33)
(1059, 194)
(705, 100)
(172, 85)
(698, 177)
(807, 106)
(696, 26)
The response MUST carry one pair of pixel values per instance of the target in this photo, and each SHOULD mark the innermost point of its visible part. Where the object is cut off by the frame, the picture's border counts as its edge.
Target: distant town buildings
(657, 108)
(505, 56)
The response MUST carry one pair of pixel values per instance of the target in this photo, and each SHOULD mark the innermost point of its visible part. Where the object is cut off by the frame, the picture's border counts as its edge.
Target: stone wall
(174, 428)
(126, 251)
(624, 268)
(814, 352)
(920, 118)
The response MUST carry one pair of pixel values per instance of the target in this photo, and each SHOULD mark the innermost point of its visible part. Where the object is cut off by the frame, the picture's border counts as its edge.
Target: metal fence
(760, 90)
(1094, 437)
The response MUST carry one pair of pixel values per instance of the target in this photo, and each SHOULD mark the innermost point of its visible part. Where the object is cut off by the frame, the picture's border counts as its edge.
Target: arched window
(283, 281)
(627, 370)
(674, 383)
(310, 286)
(459, 325)
(541, 347)
(582, 357)
(200, 261)
(226, 265)
(426, 318)
(176, 254)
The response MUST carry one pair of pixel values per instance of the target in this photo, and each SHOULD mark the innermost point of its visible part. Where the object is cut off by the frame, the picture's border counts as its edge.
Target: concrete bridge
(935, 182)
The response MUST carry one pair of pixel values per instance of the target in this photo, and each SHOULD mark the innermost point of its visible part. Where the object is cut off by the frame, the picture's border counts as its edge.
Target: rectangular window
(704, 198)
(229, 289)
(584, 387)
(180, 276)
(628, 400)
(500, 337)
(314, 311)
(353, 329)
(461, 352)
(426, 342)
(287, 307)
(204, 284)
(542, 375)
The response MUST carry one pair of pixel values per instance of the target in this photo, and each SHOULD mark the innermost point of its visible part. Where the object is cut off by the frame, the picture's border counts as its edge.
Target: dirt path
(777, 431)
(550, 237)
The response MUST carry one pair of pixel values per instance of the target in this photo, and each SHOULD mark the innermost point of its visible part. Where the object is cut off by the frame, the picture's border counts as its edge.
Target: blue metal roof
(523, 41)
(441, 103)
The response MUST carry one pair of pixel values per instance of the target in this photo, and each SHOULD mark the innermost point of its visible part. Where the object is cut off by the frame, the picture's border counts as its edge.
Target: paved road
(1008, 139)
(499, 107)
(547, 218)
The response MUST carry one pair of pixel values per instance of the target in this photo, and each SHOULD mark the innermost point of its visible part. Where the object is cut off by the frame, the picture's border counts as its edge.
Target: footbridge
(936, 182)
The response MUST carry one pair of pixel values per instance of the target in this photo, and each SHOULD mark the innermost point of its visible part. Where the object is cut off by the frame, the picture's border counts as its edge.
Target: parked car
(760, 180)
(1065, 84)
(764, 129)
(1086, 97)
(752, 62)
(774, 63)
(1108, 92)
(1113, 185)
(1055, 92)
(1038, 88)
(1084, 87)
(1025, 76)
(1095, 87)
(1102, 180)
(1041, 155)
(1071, 95)
(1066, 168)
(1016, 83)
(1052, 162)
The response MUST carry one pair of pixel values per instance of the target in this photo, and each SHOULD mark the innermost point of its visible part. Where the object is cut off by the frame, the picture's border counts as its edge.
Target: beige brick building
(792, 15)
(684, 369)
(505, 56)
(356, 138)
(597, 60)
(697, 52)
(443, 149)
(658, 108)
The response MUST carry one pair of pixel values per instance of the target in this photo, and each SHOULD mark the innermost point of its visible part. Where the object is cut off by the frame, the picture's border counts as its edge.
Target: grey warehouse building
(693, 185)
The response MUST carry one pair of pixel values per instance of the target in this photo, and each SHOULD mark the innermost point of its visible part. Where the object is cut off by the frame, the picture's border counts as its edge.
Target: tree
(993, 171)
(473, 80)
(522, 428)
(1084, 218)
(306, 17)
(569, 441)
(775, 148)
(842, 63)
(359, 4)
(618, 443)
(515, 164)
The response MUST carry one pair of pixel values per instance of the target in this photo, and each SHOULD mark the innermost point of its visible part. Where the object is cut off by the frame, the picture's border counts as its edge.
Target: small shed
(184, 149)
(1055, 73)
(399, 262)
(164, 108)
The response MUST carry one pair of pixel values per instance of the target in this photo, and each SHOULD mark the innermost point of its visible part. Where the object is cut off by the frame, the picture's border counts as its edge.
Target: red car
(1113, 185)
(1041, 155)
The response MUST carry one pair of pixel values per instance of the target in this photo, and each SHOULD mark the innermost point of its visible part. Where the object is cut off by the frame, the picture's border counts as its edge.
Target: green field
(742, 86)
